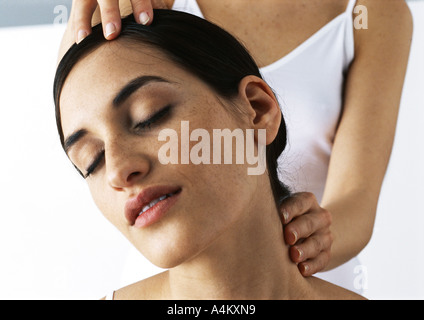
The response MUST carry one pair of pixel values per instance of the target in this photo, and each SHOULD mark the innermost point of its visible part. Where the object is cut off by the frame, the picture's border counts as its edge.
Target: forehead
(95, 79)
(111, 65)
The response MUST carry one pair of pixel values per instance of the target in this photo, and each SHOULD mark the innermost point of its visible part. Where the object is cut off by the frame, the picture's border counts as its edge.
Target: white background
(55, 244)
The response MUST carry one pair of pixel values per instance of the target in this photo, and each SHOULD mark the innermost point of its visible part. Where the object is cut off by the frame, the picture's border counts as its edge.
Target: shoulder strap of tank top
(350, 6)
(190, 6)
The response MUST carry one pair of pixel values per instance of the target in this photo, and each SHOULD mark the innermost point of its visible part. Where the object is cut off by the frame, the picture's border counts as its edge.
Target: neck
(249, 261)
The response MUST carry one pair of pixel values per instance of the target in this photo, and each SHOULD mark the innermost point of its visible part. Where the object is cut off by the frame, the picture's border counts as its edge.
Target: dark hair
(201, 48)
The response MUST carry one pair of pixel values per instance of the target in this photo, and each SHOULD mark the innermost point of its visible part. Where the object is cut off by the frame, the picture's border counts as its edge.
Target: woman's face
(114, 134)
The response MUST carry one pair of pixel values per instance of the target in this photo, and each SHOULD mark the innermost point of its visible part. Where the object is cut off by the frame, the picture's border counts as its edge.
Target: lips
(150, 205)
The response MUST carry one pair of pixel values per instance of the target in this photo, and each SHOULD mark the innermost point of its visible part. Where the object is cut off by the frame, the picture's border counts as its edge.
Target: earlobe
(264, 111)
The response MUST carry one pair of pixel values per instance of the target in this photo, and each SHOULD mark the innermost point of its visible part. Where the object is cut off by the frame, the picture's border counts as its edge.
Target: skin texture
(199, 238)
(366, 131)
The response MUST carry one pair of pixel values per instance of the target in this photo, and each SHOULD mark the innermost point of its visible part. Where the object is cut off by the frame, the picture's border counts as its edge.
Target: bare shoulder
(388, 21)
(328, 291)
(388, 9)
(386, 41)
(146, 289)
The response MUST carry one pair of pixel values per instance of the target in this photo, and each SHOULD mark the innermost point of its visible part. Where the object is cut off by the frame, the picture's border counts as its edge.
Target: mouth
(154, 202)
(150, 205)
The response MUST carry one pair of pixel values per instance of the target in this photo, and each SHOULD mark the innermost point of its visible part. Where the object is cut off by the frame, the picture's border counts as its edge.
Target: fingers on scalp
(111, 18)
(143, 11)
(82, 14)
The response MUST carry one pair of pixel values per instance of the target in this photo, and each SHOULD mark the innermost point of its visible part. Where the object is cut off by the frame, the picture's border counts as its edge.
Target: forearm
(353, 216)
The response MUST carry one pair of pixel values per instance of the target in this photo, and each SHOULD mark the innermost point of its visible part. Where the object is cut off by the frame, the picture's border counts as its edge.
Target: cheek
(217, 197)
(218, 192)
(208, 208)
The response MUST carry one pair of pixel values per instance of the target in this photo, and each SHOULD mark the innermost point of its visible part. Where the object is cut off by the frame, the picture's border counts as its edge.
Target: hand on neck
(249, 261)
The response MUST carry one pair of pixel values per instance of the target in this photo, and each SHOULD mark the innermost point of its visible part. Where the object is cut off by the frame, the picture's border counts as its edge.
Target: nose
(125, 166)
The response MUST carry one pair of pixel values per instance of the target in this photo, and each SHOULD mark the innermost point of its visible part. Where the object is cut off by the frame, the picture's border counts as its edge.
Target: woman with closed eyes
(213, 226)
(337, 68)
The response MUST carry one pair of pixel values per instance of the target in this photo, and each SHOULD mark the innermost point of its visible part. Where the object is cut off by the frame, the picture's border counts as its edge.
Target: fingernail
(110, 29)
(144, 18)
(285, 216)
(300, 253)
(295, 236)
(81, 35)
(305, 268)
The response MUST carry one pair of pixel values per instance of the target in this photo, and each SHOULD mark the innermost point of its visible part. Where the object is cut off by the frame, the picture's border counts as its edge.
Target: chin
(169, 253)
(166, 263)
(173, 243)
(168, 259)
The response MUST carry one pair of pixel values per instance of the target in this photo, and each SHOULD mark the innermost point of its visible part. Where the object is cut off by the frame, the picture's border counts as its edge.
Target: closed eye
(143, 125)
(95, 164)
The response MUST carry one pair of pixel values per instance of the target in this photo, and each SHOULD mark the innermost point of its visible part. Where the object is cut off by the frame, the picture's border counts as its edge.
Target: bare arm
(366, 132)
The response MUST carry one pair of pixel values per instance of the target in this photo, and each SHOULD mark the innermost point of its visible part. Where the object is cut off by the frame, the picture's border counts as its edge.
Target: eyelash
(140, 126)
(94, 164)
(153, 119)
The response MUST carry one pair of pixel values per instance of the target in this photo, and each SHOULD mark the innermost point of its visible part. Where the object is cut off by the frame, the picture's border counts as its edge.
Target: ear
(262, 106)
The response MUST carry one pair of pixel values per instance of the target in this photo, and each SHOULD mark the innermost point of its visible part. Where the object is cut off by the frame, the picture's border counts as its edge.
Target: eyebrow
(73, 138)
(133, 86)
(122, 96)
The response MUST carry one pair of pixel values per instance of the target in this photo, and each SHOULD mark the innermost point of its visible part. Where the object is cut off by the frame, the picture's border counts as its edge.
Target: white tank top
(309, 84)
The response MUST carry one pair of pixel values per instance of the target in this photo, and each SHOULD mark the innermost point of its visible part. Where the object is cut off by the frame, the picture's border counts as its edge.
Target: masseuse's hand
(83, 10)
(307, 231)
